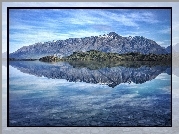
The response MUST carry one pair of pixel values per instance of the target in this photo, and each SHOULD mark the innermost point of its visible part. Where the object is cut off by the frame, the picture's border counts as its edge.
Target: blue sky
(29, 26)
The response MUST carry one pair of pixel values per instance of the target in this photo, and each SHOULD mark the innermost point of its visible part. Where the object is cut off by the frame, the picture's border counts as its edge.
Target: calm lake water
(63, 94)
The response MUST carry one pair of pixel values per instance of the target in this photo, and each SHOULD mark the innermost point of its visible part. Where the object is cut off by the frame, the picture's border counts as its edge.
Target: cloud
(146, 16)
(137, 33)
(165, 31)
(160, 42)
(166, 90)
(128, 18)
(163, 76)
(83, 33)
(164, 43)
(85, 17)
(30, 38)
(102, 27)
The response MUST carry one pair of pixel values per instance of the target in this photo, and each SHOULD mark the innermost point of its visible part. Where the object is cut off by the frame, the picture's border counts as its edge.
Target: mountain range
(111, 76)
(111, 42)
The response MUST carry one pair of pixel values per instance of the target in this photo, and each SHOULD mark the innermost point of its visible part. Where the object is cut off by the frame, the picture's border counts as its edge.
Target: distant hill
(95, 55)
(111, 42)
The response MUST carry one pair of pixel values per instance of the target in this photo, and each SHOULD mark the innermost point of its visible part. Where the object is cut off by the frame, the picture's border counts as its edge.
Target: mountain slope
(168, 49)
(111, 42)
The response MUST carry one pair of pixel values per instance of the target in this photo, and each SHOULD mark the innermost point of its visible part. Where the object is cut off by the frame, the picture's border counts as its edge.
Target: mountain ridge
(111, 42)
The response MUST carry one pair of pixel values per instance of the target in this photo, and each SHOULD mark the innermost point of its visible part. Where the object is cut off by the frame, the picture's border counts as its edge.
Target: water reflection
(57, 102)
(111, 74)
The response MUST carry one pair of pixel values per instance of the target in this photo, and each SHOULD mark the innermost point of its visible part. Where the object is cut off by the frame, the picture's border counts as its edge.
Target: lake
(85, 94)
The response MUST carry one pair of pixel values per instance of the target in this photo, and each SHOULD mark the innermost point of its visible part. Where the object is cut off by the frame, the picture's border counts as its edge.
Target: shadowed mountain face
(111, 76)
(111, 42)
(168, 49)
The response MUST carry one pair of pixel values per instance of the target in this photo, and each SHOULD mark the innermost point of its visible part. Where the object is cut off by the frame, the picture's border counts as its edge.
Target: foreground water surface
(63, 94)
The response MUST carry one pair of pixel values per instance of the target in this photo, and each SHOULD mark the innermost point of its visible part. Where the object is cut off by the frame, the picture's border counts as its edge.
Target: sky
(30, 26)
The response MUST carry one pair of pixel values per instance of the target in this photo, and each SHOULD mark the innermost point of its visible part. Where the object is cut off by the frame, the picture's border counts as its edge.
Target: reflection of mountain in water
(112, 76)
